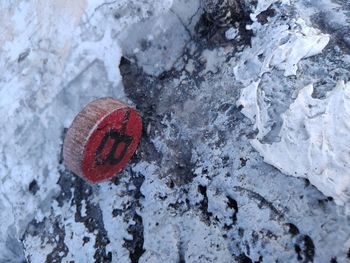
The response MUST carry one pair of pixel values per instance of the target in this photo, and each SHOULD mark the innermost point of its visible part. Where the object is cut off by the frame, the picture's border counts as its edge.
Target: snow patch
(315, 142)
(56, 56)
(187, 238)
(287, 45)
(231, 33)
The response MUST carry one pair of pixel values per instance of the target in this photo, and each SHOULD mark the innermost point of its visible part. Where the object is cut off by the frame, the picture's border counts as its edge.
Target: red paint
(100, 160)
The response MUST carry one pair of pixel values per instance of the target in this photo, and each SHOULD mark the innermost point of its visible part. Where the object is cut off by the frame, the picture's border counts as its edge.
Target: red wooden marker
(102, 139)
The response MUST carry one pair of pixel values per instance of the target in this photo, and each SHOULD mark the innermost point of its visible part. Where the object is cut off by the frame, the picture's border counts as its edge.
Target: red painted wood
(102, 139)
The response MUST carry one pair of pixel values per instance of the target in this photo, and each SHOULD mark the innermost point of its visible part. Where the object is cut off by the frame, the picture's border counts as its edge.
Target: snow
(200, 187)
(264, 5)
(187, 235)
(231, 33)
(68, 45)
(286, 46)
(319, 159)
(314, 142)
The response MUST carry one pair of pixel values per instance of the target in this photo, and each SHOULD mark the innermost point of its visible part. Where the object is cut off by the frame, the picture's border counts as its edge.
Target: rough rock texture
(196, 190)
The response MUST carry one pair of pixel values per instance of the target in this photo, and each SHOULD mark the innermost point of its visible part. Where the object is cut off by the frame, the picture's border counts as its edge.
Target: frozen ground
(223, 104)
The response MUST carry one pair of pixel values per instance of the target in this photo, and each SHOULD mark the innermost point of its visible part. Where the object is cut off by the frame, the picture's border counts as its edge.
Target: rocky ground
(196, 190)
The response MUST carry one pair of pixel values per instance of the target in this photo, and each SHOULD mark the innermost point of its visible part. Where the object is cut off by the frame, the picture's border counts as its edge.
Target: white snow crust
(56, 56)
(315, 141)
(45, 46)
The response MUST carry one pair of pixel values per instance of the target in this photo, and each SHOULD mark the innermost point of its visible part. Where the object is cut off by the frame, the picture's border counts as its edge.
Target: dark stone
(33, 187)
